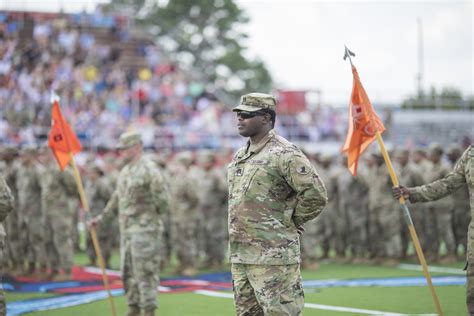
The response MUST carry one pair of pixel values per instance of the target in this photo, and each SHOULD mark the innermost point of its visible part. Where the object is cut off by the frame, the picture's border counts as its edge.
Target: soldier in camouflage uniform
(212, 193)
(184, 216)
(314, 232)
(273, 191)
(167, 247)
(410, 175)
(57, 189)
(440, 219)
(461, 208)
(6, 206)
(353, 202)
(29, 193)
(420, 160)
(13, 246)
(461, 176)
(98, 192)
(384, 215)
(140, 200)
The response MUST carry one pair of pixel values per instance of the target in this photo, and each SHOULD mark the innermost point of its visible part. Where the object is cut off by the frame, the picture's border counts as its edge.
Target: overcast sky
(302, 43)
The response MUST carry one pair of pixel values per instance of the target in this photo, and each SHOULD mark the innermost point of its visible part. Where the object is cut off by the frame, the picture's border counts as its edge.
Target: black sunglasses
(246, 115)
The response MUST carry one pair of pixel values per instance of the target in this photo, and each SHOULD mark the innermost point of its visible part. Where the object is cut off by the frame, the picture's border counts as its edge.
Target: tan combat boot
(133, 310)
(149, 312)
(63, 276)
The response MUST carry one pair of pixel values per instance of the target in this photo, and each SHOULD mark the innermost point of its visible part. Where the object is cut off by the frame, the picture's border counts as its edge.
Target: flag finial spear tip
(54, 97)
(348, 53)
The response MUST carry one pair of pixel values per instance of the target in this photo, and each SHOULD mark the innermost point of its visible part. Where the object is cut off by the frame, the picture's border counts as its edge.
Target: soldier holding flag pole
(365, 127)
(64, 144)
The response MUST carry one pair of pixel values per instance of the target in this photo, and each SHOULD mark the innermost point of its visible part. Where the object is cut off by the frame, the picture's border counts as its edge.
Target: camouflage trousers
(270, 290)
(34, 242)
(186, 243)
(58, 240)
(13, 246)
(384, 232)
(461, 218)
(470, 289)
(440, 229)
(3, 308)
(357, 228)
(140, 266)
(104, 235)
(215, 232)
(309, 241)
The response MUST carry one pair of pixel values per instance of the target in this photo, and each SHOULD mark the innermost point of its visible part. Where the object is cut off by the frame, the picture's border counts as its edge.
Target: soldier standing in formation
(98, 192)
(140, 200)
(13, 248)
(273, 191)
(384, 217)
(30, 212)
(461, 209)
(440, 219)
(461, 176)
(184, 215)
(212, 195)
(6, 206)
(58, 188)
(411, 176)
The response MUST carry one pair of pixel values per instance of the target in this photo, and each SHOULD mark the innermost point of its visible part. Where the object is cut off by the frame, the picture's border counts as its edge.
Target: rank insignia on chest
(239, 172)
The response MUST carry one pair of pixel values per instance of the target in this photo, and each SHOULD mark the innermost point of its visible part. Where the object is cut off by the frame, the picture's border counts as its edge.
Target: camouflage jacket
(29, 191)
(57, 189)
(6, 205)
(273, 190)
(141, 197)
(462, 175)
(98, 193)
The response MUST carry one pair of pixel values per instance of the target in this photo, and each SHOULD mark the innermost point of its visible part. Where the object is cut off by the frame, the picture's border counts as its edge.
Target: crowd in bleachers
(109, 81)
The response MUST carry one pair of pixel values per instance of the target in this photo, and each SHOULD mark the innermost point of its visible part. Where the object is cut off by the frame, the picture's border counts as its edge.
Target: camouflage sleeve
(311, 195)
(160, 193)
(106, 189)
(69, 182)
(442, 187)
(6, 200)
(110, 210)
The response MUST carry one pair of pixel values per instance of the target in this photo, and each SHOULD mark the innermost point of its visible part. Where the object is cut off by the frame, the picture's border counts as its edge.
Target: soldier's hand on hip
(300, 230)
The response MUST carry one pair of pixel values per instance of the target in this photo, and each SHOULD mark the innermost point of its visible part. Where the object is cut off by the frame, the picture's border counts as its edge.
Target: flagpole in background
(378, 136)
(64, 152)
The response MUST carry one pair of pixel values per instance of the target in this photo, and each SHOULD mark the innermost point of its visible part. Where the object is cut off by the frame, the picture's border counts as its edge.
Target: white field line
(315, 306)
(416, 267)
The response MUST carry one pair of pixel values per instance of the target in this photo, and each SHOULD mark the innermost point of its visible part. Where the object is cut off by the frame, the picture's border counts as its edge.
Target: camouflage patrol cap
(253, 102)
(325, 158)
(185, 158)
(435, 148)
(206, 156)
(454, 149)
(129, 139)
(9, 150)
(29, 149)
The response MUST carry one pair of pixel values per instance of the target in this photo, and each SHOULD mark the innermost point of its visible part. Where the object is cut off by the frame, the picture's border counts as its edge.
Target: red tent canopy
(291, 101)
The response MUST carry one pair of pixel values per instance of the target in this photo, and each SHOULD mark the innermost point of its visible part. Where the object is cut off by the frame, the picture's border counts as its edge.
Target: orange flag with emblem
(363, 123)
(62, 139)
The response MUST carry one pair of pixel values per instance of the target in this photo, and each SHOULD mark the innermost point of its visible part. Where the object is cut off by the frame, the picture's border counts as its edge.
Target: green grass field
(406, 300)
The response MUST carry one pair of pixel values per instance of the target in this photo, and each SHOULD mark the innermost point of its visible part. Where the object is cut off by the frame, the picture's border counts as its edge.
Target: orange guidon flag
(62, 139)
(363, 123)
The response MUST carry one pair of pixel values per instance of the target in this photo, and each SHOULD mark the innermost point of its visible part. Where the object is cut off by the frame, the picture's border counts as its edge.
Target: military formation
(41, 233)
(263, 208)
(364, 224)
